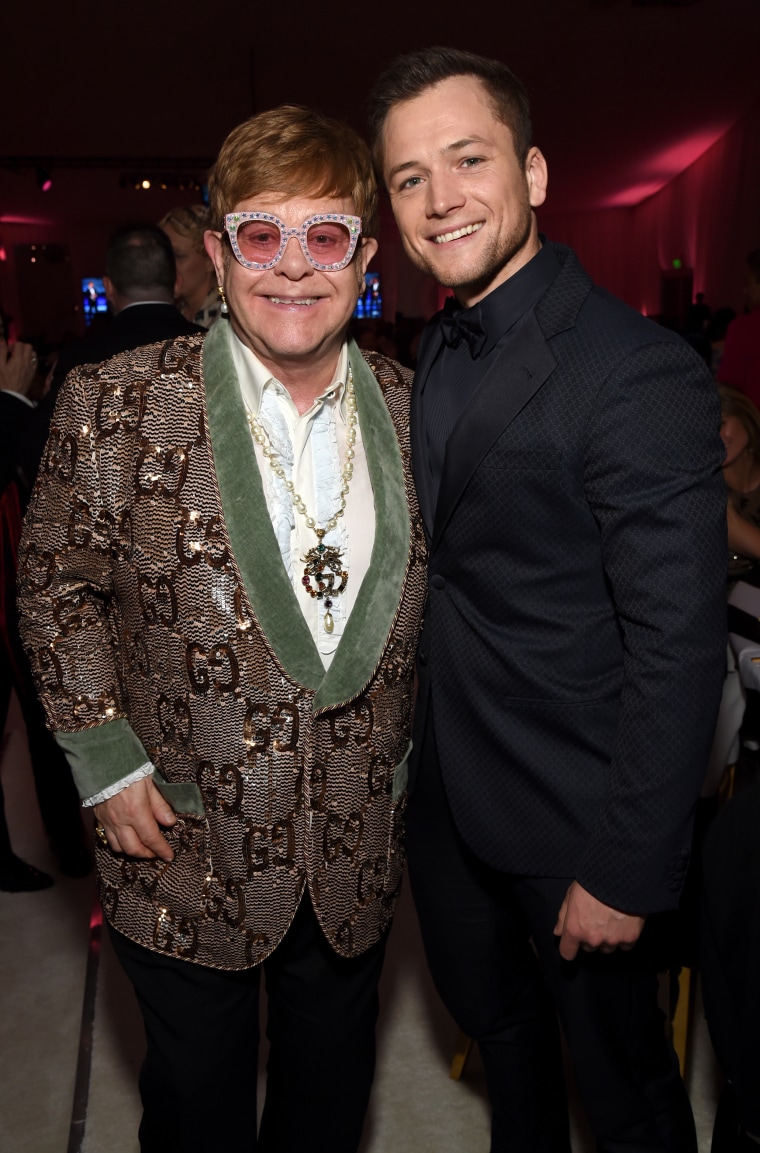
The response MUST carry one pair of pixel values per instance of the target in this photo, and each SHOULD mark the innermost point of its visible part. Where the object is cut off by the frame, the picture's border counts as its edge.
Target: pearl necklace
(323, 562)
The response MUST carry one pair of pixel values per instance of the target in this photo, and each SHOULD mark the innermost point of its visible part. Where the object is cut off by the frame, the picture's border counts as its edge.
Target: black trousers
(730, 959)
(477, 925)
(198, 1081)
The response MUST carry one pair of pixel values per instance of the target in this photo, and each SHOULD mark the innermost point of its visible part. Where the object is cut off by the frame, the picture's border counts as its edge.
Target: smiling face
(462, 200)
(291, 316)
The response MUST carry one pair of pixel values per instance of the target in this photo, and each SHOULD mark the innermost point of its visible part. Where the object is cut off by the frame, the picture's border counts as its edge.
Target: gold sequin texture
(134, 607)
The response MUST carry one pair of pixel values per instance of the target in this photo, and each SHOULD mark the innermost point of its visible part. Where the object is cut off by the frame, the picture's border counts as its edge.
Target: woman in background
(198, 295)
(740, 433)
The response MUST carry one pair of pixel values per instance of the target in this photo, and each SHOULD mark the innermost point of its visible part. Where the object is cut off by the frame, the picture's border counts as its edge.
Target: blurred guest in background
(197, 292)
(740, 433)
(140, 281)
(716, 333)
(697, 314)
(57, 797)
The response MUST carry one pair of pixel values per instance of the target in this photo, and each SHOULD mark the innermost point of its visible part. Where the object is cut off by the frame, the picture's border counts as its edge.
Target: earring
(225, 309)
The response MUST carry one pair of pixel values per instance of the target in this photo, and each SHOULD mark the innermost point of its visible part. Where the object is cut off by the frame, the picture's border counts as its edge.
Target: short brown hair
(413, 73)
(736, 403)
(296, 151)
(140, 262)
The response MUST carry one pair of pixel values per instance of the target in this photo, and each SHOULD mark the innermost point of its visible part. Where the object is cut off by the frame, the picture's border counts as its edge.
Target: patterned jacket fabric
(161, 625)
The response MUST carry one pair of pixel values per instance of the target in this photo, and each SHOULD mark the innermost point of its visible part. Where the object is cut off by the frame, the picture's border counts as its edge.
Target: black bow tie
(458, 324)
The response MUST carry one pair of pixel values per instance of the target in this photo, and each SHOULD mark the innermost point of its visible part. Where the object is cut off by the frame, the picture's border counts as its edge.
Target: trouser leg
(198, 1080)
(626, 1070)
(321, 1015)
(477, 943)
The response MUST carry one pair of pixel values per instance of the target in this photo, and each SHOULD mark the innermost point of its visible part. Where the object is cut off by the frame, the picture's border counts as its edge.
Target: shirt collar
(139, 303)
(254, 377)
(504, 306)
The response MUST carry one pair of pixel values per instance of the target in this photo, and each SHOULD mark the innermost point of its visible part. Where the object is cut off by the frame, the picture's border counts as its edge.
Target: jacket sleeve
(654, 485)
(75, 527)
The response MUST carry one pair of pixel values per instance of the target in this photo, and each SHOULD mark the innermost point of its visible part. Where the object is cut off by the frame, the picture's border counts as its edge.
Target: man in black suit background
(567, 457)
(140, 278)
(139, 281)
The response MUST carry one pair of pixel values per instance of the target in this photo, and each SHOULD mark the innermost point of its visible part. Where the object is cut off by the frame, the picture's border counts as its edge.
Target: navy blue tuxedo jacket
(574, 646)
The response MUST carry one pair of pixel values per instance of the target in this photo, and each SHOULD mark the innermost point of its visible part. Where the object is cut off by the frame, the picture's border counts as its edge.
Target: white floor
(416, 1107)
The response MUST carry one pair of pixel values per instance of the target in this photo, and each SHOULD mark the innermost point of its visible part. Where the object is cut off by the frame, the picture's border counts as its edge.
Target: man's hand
(588, 924)
(18, 367)
(131, 821)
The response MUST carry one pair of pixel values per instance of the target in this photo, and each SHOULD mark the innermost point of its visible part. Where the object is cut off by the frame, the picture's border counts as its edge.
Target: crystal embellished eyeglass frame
(353, 224)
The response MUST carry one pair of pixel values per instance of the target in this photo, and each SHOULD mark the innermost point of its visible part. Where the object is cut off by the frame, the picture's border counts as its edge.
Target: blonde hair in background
(735, 403)
(190, 220)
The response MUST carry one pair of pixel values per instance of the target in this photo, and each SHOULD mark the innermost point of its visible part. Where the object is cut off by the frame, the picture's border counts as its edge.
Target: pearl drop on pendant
(329, 623)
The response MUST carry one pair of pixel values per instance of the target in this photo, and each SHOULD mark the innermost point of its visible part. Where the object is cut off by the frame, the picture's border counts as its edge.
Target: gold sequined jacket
(161, 625)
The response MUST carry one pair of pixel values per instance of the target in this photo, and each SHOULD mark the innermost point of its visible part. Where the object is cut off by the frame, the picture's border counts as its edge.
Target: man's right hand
(131, 821)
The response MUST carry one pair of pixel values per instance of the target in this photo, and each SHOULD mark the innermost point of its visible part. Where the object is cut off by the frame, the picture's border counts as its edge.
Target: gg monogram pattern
(135, 608)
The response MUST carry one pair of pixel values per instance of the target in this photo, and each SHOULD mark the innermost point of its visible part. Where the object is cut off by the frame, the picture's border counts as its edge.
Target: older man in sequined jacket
(238, 714)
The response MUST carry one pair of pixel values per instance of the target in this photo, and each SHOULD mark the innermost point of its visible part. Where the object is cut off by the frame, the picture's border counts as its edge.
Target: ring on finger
(101, 833)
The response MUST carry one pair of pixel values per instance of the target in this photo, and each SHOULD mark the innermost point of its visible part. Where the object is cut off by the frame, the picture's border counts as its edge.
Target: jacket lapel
(247, 518)
(509, 384)
(422, 481)
(364, 639)
(255, 546)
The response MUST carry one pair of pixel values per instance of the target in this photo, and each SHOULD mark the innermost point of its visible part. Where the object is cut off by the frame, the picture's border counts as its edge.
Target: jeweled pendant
(329, 622)
(323, 563)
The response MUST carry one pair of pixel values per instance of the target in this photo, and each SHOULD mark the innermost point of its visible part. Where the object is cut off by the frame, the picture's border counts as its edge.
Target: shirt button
(437, 581)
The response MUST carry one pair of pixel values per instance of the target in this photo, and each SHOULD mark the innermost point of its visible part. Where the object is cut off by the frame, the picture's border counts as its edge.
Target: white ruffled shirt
(312, 449)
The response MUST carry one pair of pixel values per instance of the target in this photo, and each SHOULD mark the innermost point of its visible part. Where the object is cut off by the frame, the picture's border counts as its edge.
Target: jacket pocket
(401, 774)
(183, 796)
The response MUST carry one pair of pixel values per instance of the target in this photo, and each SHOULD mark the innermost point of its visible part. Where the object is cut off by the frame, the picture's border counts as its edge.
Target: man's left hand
(588, 924)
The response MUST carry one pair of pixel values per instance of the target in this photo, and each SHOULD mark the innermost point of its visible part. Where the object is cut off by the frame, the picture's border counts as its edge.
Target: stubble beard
(495, 257)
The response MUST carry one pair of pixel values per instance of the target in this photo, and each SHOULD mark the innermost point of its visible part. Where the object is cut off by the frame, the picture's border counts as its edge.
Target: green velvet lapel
(367, 629)
(245, 512)
(255, 546)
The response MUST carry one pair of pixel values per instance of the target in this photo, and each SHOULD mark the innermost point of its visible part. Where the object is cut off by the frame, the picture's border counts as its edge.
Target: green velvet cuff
(105, 755)
(102, 756)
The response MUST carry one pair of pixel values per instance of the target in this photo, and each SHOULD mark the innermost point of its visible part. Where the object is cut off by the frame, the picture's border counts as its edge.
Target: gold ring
(100, 832)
